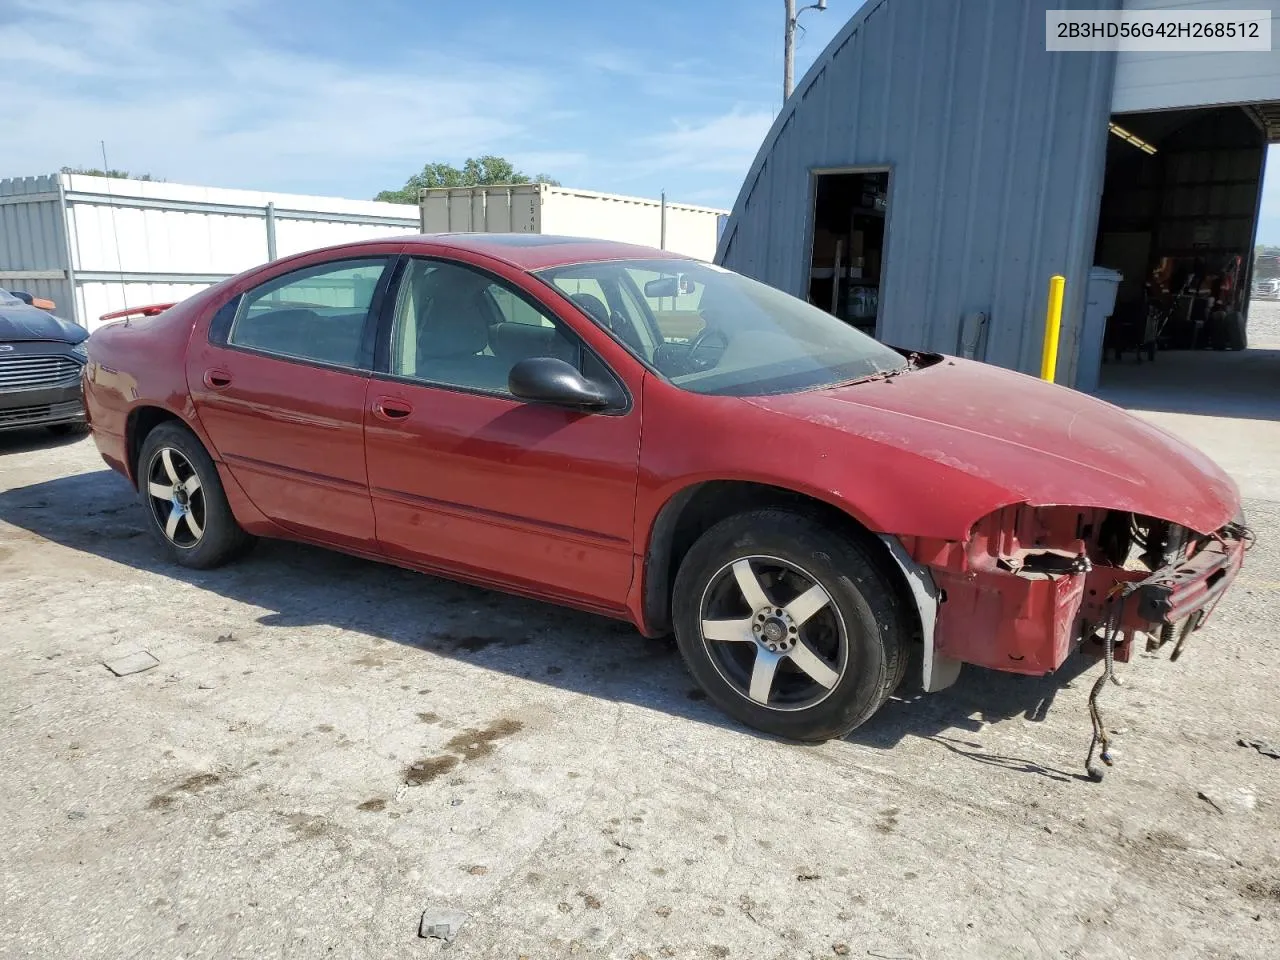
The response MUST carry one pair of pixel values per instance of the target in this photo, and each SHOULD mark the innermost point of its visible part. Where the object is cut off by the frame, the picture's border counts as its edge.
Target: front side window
(458, 327)
(317, 313)
(709, 330)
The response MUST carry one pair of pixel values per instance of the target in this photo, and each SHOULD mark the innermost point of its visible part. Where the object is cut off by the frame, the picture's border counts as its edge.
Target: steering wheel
(707, 335)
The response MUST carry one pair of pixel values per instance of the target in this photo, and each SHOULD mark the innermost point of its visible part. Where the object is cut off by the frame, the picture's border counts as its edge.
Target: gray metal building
(939, 166)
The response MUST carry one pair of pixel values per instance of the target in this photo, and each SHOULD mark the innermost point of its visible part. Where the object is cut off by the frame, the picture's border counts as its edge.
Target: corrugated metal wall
(33, 244)
(94, 244)
(1159, 81)
(996, 152)
(135, 242)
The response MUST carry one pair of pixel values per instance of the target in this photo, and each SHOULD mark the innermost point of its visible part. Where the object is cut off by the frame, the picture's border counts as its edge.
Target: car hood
(18, 321)
(1037, 442)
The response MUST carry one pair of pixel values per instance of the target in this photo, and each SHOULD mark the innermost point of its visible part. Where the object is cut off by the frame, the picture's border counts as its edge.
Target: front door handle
(391, 409)
(217, 379)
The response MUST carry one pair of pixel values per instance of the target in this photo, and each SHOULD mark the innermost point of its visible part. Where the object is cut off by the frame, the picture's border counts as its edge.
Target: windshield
(709, 330)
(7, 298)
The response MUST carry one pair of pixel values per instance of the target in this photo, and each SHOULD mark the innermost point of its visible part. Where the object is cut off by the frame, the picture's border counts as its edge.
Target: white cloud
(721, 144)
(184, 92)
(197, 91)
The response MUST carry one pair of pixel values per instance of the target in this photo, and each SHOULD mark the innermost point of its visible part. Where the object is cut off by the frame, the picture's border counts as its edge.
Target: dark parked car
(666, 442)
(41, 359)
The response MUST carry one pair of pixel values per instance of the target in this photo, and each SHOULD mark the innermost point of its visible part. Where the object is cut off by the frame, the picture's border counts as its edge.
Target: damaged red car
(662, 441)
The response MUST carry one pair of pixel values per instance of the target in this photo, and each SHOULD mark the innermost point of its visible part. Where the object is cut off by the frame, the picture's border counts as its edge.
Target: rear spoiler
(150, 310)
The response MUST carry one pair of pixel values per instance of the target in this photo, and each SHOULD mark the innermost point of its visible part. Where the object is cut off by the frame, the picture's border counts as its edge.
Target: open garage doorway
(850, 208)
(1177, 226)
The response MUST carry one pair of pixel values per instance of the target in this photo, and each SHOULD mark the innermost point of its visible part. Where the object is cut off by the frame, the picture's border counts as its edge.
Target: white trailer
(541, 208)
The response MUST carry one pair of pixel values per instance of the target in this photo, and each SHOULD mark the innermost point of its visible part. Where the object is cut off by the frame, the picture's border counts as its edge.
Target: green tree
(476, 172)
(113, 174)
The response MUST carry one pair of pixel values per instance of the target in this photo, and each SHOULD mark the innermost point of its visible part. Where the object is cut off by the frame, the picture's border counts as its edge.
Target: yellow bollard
(1052, 327)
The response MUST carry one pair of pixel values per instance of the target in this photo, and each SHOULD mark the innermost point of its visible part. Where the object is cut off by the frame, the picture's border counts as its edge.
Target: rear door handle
(217, 379)
(391, 409)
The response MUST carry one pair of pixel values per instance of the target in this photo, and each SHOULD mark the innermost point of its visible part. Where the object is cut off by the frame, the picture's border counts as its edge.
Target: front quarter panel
(691, 438)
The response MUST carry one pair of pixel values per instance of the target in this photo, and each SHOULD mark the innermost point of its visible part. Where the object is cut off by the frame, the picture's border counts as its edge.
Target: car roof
(536, 251)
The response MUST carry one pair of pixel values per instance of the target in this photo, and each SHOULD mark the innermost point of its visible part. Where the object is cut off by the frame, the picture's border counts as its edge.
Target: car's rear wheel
(789, 626)
(186, 507)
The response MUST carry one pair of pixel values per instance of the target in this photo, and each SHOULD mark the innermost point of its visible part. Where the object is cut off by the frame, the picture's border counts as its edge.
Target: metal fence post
(271, 231)
(662, 224)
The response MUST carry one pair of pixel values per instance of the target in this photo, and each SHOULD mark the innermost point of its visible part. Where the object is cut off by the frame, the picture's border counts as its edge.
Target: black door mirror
(551, 380)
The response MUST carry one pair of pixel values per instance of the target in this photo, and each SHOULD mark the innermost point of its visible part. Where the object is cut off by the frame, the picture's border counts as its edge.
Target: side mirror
(551, 380)
(668, 287)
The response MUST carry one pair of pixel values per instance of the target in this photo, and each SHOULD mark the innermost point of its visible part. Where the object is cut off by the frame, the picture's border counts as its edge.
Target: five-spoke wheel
(790, 623)
(772, 632)
(188, 509)
(177, 501)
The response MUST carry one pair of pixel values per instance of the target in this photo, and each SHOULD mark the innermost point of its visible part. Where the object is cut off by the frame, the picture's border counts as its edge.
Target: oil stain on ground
(307, 827)
(193, 784)
(424, 771)
(479, 743)
(1262, 890)
(470, 744)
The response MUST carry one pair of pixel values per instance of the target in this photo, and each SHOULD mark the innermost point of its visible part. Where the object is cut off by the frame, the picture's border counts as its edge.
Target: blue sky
(346, 98)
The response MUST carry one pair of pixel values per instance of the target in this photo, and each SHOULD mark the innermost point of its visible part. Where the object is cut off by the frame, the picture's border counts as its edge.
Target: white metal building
(93, 244)
(97, 244)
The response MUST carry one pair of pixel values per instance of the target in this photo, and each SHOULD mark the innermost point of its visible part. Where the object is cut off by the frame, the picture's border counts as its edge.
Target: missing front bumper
(1007, 621)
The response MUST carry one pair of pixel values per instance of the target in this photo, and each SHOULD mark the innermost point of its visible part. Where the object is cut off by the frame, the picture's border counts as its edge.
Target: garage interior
(847, 249)
(1177, 222)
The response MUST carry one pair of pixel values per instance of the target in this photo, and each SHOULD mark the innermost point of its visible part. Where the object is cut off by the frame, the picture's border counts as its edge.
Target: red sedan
(663, 441)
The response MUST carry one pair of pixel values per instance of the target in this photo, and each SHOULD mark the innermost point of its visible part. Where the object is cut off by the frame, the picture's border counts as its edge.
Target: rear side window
(316, 314)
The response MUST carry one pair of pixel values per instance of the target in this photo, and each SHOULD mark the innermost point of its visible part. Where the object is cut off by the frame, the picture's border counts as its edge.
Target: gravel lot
(1264, 324)
(328, 747)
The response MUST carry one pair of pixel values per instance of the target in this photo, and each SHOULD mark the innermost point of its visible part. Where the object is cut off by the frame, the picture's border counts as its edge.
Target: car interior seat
(453, 334)
(598, 311)
(513, 342)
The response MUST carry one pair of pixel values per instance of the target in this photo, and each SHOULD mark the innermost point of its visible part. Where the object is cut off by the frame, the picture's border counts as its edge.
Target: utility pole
(789, 43)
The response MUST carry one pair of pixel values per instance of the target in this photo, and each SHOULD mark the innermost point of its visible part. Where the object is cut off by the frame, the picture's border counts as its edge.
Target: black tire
(205, 533)
(860, 633)
(1237, 335)
(76, 429)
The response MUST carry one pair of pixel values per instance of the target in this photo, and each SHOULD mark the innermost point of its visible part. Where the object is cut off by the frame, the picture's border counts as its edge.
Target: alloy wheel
(773, 633)
(176, 497)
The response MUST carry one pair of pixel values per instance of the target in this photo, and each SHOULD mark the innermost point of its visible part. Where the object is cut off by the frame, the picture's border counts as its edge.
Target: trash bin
(1099, 303)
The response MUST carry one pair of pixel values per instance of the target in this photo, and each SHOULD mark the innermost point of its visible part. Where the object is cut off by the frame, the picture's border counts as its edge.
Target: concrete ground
(328, 747)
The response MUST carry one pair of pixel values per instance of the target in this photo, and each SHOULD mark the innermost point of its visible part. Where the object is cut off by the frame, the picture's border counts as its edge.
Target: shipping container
(542, 208)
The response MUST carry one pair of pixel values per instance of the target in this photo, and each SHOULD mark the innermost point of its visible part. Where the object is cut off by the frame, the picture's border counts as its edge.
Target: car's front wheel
(187, 510)
(788, 625)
